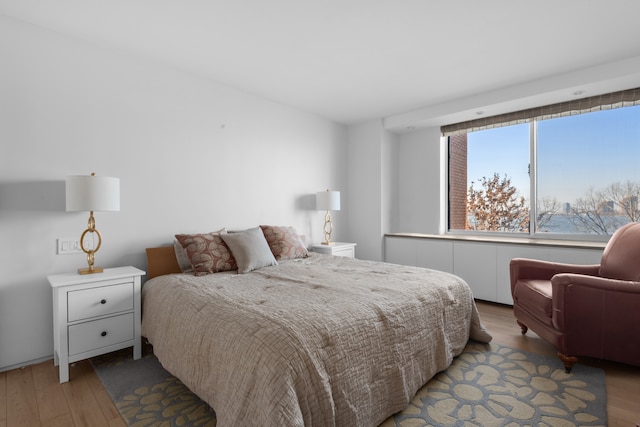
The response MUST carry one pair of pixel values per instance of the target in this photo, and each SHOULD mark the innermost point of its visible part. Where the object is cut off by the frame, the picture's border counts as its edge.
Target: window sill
(505, 240)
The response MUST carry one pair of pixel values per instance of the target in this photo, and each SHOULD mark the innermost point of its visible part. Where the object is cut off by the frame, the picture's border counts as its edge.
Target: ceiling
(354, 60)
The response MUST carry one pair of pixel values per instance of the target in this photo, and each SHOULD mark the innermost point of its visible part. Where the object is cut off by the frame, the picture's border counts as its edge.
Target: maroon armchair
(584, 310)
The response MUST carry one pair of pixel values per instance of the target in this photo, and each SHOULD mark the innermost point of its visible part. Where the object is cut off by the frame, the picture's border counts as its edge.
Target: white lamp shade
(92, 193)
(328, 200)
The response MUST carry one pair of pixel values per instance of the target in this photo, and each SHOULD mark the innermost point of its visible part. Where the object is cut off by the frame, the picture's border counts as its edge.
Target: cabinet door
(435, 254)
(575, 256)
(400, 250)
(476, 264)
(504, 256)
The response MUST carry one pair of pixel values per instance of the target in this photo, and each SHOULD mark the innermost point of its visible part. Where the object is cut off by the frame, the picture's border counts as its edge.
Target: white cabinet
(399, 250)
(484, 265)
(572, 257)
(475, 263)
(95, 314)
(426, 253)
(337, 249)
(435, 255)
(504, 255)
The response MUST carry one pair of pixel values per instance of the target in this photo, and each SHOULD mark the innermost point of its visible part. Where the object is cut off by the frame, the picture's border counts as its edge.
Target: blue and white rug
(487, 385)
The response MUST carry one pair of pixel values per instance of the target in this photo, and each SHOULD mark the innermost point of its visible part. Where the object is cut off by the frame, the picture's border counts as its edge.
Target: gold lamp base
(328, 229)
(90, 252)
(90, 270)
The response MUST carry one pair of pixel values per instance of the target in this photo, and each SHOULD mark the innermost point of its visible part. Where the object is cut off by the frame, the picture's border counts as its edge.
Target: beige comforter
(320, 341)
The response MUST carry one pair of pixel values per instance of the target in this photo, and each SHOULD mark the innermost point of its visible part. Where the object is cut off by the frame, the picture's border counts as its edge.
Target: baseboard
(25, 364)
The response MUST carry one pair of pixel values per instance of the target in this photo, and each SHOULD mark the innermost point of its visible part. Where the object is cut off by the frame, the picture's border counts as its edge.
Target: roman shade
(608, 101)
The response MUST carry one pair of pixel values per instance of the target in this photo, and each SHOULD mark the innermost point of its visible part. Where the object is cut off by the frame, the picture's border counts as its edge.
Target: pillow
(250, 249)
(285, 243)
(182, 257)
(207, 253)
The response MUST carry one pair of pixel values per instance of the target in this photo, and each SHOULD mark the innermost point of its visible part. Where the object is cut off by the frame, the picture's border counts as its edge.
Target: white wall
(192, 156)
(364, 183)
(373, 187)
(390, 184)
(419, 180)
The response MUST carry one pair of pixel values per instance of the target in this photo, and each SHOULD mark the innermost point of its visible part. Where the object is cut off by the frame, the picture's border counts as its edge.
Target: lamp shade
(92, 193)
(328, 200)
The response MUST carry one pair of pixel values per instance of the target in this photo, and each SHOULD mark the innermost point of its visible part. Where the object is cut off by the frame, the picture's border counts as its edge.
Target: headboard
(161, 261)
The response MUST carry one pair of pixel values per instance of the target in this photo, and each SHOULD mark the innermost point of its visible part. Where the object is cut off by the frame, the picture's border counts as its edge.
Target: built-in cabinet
(484, 265)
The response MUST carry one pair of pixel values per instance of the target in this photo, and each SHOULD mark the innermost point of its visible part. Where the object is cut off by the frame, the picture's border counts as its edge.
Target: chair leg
(523, 327)
(568, 361)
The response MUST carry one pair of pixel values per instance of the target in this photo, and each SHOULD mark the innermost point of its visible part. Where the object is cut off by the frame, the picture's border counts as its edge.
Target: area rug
(487, 385)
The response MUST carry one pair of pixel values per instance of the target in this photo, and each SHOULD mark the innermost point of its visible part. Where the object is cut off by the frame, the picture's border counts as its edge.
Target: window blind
(608, 101)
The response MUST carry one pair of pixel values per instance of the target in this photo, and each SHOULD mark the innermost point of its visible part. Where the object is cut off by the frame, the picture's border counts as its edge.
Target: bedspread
(319, 341)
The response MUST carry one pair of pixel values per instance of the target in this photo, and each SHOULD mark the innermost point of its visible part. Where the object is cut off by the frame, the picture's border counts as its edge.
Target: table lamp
(328, 201)
(92, 193)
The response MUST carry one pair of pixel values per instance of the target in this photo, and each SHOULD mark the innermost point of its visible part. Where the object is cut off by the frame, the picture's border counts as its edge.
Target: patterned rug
(487, 385)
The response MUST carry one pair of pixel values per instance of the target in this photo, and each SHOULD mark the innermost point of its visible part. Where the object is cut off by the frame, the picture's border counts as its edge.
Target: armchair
(584, 310)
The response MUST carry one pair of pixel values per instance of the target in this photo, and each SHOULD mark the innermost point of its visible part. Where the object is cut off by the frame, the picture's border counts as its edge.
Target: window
(581, 170)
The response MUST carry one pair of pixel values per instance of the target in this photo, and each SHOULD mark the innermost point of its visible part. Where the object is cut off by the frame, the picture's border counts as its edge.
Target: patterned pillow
(207, 253)
(181, 257)
(284, 242)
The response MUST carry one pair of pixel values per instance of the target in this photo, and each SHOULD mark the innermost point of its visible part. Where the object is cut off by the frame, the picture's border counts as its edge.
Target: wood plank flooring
(32, 396)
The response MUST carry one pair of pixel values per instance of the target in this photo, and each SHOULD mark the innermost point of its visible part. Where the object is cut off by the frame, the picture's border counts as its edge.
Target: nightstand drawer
(347, 251)
(99, 301)
(336, 249)
(100, 333)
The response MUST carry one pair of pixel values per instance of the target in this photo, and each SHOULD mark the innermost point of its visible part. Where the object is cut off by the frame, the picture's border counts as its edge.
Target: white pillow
(250, 249)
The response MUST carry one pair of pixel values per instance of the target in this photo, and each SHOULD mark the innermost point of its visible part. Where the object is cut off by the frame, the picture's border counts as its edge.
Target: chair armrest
(525, 268)
(578, 295)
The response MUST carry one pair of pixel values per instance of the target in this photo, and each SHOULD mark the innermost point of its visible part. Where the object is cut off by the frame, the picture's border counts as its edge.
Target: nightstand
(337, 249)
(95, 314)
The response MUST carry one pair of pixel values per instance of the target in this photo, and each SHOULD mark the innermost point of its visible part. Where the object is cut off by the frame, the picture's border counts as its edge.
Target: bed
(315, 340)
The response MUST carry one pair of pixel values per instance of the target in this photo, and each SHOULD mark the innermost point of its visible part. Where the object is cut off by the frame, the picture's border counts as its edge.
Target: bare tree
(496, 206)
(594, 214)
(546, 209)
(625, 196)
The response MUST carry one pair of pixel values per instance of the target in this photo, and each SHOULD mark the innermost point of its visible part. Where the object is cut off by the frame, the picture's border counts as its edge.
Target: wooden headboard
(161, 261)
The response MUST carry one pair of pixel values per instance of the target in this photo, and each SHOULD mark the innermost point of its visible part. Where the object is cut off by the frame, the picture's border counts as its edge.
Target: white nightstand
(95, 314)
(337, 249)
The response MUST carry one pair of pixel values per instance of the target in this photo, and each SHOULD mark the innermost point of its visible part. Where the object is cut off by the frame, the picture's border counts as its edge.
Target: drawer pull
(103, 301)
(104, 333)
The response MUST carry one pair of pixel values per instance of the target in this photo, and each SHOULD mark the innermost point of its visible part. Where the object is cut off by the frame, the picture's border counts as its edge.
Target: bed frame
(160, 261)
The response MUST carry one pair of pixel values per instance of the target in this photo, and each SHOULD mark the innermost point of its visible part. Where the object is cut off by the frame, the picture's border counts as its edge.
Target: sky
(574, 153)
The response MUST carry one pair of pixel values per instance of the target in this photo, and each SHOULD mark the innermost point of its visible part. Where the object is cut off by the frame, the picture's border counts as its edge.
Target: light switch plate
(69, 245)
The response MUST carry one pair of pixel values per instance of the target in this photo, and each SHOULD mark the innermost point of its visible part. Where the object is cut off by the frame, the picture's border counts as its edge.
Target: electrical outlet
(69, 245)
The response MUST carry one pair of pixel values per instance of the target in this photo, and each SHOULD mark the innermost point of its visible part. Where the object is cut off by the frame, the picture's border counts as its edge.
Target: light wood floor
(32, 396)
